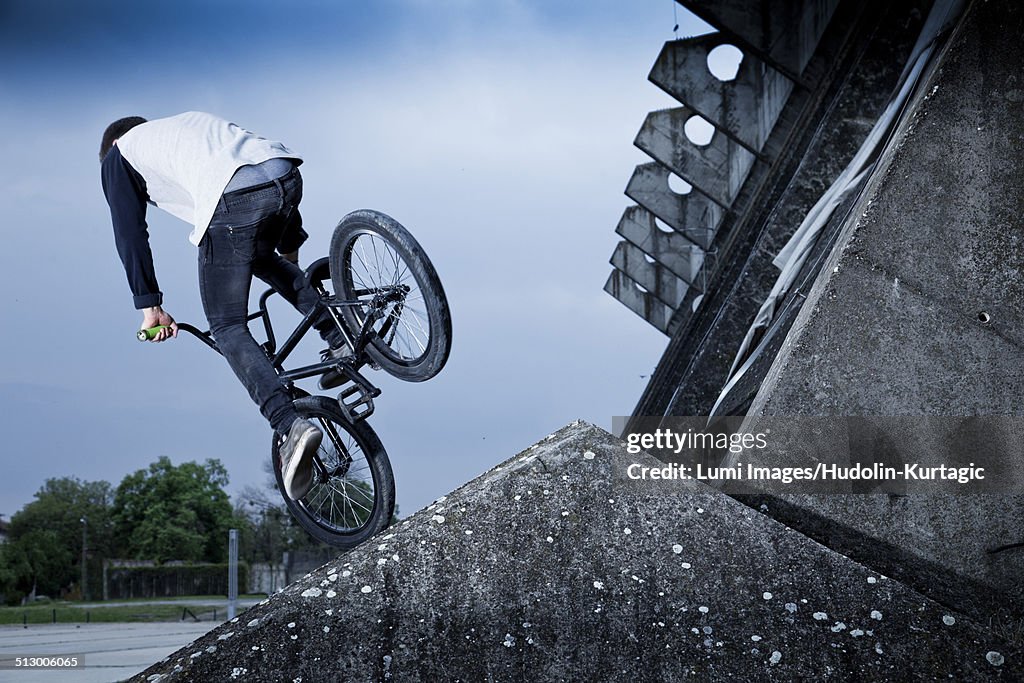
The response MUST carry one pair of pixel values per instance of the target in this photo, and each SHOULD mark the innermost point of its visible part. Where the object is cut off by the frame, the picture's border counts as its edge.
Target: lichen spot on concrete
(345, 574)
(627, 531)
(509, 640)
(599, 585)
(252, 623)
(437, 518)
(948, 620)
(677, 548)
(856, 633)
(703, 609)
(332, 578)
(872, 579)
(589, 455)
(838, 626)
(312, 593)
(331, 594)
(238, 671)
(876, 615)
(366, 589)
(820, 616)
(686, 565)
(291, 624)
(791, 607)
(766, 595)
(775, 658)
(550, 540)
(994, 658)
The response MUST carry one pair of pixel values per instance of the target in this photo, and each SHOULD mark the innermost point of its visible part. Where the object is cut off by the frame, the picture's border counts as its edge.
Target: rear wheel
(353, 492)
(376, 261)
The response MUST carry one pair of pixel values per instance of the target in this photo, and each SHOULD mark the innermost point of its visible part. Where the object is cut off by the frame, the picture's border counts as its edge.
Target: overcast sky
(499, 132)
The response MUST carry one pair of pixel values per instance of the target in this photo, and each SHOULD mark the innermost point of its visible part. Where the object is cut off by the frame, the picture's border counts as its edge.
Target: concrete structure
(745, 112)
(553, 567)
(925, 275)
(910, 298)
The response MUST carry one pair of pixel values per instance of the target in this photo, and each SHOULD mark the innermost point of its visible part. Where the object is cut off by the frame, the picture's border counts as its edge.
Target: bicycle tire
(339, 510)
(371, 251)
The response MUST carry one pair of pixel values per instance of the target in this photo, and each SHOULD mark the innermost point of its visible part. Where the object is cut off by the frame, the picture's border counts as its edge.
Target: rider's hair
(116, 130)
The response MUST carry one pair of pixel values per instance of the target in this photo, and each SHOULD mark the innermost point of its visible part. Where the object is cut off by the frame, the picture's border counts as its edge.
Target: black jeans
(241, 242)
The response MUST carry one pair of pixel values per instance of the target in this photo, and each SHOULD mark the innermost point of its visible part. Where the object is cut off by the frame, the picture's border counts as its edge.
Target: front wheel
(353, 492)
(378, 264)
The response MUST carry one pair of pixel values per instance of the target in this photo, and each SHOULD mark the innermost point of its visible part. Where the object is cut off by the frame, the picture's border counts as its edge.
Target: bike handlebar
(149, 333)
(315, 273)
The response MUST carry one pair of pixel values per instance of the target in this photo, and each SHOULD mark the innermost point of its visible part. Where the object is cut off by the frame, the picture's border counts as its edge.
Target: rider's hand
(292, 256)
(153, 316)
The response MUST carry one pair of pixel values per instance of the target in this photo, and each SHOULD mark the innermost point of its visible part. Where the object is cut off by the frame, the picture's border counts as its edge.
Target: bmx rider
(241, 193)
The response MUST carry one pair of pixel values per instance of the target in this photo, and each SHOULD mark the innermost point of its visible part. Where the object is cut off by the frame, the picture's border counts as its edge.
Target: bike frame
(356, 396)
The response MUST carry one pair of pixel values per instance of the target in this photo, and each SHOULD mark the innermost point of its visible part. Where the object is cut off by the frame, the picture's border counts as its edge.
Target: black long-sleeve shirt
(126, 194)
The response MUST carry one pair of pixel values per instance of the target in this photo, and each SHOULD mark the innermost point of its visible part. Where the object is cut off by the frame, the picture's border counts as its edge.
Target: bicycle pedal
(356, 410)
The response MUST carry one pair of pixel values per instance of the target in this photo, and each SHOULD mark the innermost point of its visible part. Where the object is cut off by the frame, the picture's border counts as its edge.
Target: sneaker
(332, 378)
(297, 457)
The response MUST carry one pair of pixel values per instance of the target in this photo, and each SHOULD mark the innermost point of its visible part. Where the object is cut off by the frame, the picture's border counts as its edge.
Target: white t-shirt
(188, 159)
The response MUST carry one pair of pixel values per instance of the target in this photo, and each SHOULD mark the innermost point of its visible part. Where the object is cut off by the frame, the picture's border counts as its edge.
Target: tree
(169, 512)
(44, 549)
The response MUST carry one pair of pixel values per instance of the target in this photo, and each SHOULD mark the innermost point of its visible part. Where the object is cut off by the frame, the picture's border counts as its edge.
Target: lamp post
(85, 589)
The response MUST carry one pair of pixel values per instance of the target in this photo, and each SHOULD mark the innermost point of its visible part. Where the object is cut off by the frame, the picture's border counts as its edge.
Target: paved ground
(110, 652)
(243, 603)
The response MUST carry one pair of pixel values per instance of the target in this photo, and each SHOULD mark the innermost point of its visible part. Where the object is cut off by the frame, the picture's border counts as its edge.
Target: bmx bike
(388, 303)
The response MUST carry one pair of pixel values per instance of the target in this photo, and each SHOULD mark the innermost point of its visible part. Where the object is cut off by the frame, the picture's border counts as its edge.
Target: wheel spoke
(377, 266)
(342, 502)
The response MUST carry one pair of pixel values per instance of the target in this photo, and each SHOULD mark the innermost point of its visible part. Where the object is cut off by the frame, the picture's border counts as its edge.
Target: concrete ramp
(552, 567)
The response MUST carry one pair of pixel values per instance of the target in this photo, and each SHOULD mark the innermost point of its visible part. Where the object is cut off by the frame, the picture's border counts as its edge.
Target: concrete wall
(919, 312)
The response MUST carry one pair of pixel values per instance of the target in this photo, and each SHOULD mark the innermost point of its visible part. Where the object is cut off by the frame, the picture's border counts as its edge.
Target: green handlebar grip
(150, 332)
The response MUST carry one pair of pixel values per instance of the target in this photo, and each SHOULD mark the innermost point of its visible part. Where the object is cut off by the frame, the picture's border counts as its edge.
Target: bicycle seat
(318, 271)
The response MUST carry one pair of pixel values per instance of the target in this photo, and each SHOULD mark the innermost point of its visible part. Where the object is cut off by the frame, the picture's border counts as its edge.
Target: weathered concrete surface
(782, 32)
(695, 366)
(551, 567)
(745, 107)
(920, 312)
